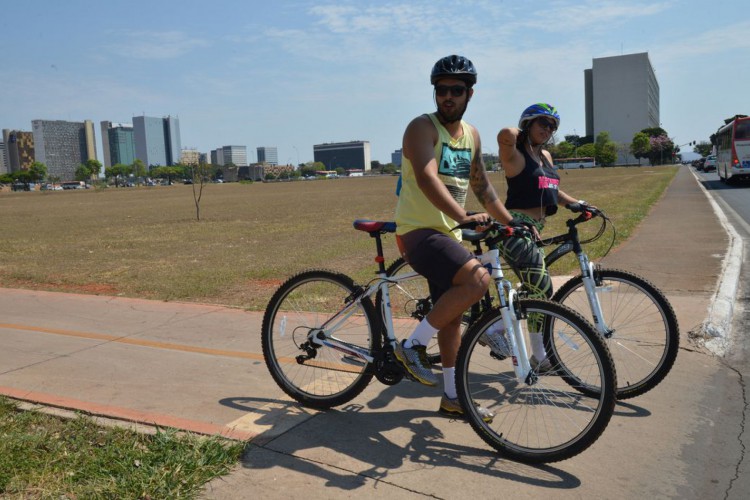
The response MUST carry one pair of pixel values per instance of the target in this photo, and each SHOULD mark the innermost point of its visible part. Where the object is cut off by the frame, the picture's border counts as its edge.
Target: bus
(733, 149)
(585, 162)
(73, 185)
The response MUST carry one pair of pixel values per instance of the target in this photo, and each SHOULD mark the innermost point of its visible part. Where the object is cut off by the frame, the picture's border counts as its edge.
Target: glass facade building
(157, 140)
(353, 155)
(268, 154)
(118, 141)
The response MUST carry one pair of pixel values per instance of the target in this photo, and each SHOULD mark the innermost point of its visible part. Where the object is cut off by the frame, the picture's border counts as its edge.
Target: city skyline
(278, 75)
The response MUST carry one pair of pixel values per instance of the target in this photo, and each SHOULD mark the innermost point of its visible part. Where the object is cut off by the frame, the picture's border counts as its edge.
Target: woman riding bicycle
(533, 195)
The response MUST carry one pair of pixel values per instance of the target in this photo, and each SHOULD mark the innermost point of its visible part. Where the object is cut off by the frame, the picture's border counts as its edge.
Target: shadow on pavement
(377, 445)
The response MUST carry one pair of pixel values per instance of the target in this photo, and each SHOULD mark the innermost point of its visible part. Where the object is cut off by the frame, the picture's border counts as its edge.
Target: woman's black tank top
(535, 186)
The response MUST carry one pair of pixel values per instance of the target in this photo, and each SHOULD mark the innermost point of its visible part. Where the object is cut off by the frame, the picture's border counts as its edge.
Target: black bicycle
(632, 314)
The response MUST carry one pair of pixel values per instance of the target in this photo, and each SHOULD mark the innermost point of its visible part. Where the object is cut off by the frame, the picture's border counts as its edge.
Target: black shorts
(434, 255)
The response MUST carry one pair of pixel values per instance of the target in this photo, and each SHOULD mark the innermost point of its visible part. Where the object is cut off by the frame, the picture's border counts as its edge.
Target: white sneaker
(495, 338)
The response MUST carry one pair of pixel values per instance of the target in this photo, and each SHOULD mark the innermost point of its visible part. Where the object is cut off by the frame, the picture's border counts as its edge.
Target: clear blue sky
(292, 74)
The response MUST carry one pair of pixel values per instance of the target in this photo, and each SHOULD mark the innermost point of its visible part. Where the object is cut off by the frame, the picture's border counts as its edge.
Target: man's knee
(474, 279)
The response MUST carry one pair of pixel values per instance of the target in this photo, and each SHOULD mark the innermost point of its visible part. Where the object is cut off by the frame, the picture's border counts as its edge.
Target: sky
(292, 74)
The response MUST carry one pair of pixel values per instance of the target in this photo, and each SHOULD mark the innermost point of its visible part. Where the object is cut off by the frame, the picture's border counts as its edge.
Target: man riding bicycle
(441, 159)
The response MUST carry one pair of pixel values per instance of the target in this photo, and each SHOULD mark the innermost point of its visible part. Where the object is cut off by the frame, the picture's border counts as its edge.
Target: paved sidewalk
(200, 368)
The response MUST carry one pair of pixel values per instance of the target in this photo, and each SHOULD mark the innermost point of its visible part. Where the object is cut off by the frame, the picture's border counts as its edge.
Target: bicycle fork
(512, 321)
(588, 276)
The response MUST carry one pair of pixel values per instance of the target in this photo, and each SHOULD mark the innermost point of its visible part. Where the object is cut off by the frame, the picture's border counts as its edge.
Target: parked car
(710, 164)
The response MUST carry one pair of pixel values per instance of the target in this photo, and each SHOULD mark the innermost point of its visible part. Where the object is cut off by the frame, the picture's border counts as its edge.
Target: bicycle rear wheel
(410, 303)
(645, 336)
(318, 376)
(547, 419)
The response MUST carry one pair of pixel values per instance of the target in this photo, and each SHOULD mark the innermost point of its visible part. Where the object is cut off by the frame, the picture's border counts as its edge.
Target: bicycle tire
(646, 335)
(410, 303)
(549, 420)
(304, 302)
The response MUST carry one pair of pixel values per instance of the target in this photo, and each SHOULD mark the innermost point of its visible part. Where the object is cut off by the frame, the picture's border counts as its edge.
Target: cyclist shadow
(353, 447)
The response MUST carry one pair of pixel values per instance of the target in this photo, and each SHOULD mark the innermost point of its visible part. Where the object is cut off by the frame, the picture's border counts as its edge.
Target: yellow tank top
(454, 158)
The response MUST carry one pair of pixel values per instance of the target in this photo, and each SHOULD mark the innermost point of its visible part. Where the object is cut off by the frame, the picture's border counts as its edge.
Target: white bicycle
(324, 338)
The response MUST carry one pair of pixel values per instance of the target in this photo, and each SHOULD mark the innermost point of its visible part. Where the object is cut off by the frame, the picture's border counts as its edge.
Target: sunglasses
(455, 90)
(548, 124)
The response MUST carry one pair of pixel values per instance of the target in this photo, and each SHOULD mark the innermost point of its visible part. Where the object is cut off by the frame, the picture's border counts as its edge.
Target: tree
(94, 166)
(24, 177)
(606, 150)
(662, 148)
(641, 146)
(83, 173)
(199, 174)
(703, 148)
(564, 150)
(118, 171)
(138, 169)
(37, 171)
(623, 150)
(587, 150)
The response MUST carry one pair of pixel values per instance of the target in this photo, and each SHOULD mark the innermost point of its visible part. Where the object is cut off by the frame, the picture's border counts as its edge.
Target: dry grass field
(146, 242)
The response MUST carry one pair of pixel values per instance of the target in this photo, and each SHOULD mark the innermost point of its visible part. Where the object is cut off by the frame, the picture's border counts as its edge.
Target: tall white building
(236, 155)
(622, 96)
(268, 154)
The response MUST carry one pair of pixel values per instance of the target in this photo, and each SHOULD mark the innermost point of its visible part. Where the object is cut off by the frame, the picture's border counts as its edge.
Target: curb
(716, 330)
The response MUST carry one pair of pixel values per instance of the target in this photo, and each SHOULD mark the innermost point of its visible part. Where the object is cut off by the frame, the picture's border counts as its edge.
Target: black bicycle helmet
(454, 67)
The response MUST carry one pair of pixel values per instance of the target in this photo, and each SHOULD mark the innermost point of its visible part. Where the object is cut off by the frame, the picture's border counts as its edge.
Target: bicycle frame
(512, 321)
(570, 242)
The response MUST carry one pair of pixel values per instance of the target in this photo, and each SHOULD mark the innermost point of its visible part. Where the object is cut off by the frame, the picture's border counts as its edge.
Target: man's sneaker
(452, 408)
(416, 363)
(495, 338)
(543, 366)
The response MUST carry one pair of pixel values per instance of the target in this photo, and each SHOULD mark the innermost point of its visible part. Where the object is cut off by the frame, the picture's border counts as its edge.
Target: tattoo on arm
(480, 184)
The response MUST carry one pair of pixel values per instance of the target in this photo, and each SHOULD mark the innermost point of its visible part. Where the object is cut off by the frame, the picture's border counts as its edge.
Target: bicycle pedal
(499, 357)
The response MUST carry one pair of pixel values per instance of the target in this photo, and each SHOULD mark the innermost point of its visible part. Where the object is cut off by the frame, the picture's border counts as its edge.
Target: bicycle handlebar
(500, 230)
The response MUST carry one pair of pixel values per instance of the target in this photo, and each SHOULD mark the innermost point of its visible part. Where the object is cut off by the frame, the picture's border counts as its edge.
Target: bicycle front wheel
(314, 375)
(643, 337)
(543, 418)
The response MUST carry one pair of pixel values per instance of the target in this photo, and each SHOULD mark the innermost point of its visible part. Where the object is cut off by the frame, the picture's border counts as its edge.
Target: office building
(396, 158)
(235, 155)
(354, 155)
(63, 146)
(19, 149)
(268, 155)
(4, 168)
(157, 140)
(118, 143)
(622, 96)
(190, 157)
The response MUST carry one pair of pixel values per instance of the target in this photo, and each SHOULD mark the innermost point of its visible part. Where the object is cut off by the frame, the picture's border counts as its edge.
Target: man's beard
(452, 115)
